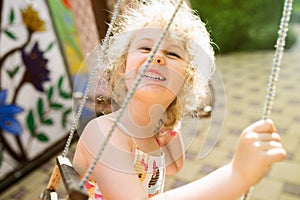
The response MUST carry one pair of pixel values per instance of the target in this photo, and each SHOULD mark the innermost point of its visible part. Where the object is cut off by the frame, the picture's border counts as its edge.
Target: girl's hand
(258, 148)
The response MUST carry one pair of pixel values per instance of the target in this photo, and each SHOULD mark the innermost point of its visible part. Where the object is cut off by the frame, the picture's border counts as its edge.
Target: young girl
(147, 145)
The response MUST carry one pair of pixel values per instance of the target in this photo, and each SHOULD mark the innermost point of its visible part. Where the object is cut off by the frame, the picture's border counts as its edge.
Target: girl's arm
(258, 148)
(223, 183)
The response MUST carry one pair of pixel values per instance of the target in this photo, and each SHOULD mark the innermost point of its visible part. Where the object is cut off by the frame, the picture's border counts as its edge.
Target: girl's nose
(159, 59)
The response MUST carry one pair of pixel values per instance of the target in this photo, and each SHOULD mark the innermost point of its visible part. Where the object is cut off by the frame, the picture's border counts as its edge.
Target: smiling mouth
(155, 76)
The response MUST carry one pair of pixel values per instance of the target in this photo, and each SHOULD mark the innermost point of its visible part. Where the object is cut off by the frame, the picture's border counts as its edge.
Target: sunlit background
(43, 44)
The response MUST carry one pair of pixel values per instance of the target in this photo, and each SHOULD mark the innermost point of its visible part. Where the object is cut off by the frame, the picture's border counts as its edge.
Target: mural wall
(35, 89)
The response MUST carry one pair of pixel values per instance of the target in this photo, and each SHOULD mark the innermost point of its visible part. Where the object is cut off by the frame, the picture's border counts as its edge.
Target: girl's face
(166, 73)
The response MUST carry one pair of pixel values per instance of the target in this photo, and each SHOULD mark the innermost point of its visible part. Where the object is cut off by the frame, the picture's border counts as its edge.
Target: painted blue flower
(7, 115)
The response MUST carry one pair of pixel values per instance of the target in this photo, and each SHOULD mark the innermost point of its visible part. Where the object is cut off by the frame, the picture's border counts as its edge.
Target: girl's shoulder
(98, 129)
(117, 153)
(101, 124)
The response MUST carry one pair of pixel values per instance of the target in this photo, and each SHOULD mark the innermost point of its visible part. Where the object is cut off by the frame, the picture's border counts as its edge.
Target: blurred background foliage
(237, 25)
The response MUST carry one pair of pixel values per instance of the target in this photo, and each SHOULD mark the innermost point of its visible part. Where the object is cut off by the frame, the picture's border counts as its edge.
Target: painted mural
(35, 88)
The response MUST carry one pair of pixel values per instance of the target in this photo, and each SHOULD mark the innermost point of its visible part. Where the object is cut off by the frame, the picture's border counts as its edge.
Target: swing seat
(71, 179)
(48, 194)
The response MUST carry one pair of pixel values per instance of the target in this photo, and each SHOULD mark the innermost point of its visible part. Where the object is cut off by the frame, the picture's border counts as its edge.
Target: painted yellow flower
(32, 20)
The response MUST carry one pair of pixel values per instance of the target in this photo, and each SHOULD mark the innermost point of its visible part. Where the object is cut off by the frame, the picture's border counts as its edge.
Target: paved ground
(239, 102)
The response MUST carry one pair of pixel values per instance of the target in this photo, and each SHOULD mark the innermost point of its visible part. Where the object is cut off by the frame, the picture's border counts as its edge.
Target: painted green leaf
(50, 46)
(56, 106)
(50, 93)
(40, 108)
(30, 123)
(65, 95)
(11, 16)
(42, 137)
(48, 121)
(60, 82)
(13, 72)
(64, 120)
(10, 34)
(62, 93)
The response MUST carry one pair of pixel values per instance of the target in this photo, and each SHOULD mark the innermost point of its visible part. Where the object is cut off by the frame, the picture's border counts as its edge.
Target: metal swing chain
(271, 90)
(129, 96)
(100, 55)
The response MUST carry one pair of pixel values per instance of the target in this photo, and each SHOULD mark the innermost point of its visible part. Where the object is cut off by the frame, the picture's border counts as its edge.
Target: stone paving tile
(285, 196)
(288, 171)
(296, 155)
(292, 188)
(229, 142)
(217, 157)
(178, 183)
(189, 171)
(169, 182)
(267, 190)
(291, 142)
(206, 169)
(30, 187)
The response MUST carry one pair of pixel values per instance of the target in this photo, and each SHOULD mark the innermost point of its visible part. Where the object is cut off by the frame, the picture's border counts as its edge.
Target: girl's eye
(172, 54)
(145, 49)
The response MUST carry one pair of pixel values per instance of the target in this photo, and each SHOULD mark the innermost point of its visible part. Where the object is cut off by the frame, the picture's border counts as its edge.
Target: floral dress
(150, 170)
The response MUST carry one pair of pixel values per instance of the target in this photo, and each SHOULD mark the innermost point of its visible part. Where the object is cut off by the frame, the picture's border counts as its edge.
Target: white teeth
(154, 76)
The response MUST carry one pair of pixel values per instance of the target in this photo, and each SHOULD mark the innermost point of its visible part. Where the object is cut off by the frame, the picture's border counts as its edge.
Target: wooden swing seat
(71, 181)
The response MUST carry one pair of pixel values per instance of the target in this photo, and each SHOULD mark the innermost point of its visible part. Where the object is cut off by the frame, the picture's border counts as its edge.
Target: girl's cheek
(180, 69)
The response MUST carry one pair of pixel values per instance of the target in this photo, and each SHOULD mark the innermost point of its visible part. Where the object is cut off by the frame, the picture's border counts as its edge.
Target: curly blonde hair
(186, 26)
